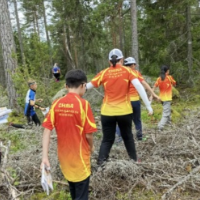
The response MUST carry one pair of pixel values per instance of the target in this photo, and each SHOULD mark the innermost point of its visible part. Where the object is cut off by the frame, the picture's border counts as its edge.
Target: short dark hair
(75, 77)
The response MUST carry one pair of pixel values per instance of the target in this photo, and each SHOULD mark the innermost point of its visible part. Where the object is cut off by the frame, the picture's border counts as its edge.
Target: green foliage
(17, 143)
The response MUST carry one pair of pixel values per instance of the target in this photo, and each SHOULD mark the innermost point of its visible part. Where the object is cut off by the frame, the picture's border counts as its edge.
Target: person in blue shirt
(56, 72)
(30, 105)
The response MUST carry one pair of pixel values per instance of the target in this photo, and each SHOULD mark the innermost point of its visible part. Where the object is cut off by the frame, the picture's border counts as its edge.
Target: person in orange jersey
(116, 107)
(134, 97)
(165, 83)
(72, 118)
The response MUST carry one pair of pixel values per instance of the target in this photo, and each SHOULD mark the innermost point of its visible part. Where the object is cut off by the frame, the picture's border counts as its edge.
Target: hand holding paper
(46, 179)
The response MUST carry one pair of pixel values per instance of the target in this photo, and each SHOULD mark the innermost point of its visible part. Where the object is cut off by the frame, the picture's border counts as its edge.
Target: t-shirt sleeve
(50, 117)
(172, 80)
(89, 126)
(96, 81)
(32, 96)
(132, 74)
(140, 77)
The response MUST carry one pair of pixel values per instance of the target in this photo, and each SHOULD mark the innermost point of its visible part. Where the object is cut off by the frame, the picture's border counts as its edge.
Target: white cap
(129, 61)
(115, 52)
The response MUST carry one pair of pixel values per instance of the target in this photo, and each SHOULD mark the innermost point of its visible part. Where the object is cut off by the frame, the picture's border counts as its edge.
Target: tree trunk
(134, 31)
(8, 48)
(189, 40)
(19, 33)
(2, 74)
(47, 33)
(67, 49)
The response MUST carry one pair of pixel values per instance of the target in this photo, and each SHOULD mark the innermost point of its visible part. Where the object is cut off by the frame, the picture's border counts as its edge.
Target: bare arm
(146, 85)
(151, 97)
(45, 147)
(89, 138)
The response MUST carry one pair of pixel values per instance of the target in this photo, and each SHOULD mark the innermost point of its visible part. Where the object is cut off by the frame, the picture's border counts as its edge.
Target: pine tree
(8, 50)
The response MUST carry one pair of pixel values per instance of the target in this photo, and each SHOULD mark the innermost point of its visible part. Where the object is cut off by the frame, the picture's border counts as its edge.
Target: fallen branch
(5, 175)
(168, 193)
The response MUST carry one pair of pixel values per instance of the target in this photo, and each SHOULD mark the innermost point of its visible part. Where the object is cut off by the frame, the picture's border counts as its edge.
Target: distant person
(30, 103)
(56, 72)
(165, 83)
(116, 107)
(72, 118)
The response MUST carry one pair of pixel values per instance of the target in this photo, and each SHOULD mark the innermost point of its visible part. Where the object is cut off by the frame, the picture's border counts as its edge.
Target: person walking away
(72, 118)
(56, 72)
(116, 107)
(165, 83)
(30, 104)
(134, 97)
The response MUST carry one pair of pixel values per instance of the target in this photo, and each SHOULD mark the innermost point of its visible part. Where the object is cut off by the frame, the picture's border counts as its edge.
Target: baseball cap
(129, 60)
(115, 52)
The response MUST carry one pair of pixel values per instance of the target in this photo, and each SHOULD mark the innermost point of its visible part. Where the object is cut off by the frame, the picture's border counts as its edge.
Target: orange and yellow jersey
(72, 118)
(134, 96)
(165, 87)
(116, 81)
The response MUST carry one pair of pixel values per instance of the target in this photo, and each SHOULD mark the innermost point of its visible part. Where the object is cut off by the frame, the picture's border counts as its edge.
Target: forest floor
(169, 167)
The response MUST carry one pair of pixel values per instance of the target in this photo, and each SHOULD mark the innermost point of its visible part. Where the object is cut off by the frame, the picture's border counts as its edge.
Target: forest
(79, 34)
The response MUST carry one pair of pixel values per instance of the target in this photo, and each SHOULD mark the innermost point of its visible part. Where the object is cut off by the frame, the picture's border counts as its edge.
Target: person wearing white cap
(134, 97)
(116, 107)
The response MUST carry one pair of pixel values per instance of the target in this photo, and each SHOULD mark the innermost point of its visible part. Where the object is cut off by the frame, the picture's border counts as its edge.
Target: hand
(157, 97)
(45, 162)
(150, 113)
(39, 100)
(43, 109)
(150, 110)
(92, 149)
(151, 98)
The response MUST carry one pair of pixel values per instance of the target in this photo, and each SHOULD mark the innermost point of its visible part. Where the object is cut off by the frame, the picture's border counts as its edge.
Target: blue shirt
(29, 110)
(55, 69)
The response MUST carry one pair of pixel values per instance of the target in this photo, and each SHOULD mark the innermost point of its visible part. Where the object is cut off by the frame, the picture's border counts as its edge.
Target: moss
(16, 117)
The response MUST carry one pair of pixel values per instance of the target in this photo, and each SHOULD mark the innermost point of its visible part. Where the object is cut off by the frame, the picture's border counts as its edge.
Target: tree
(134, 31)
(8, 49)
(19, 33)
(2, 74)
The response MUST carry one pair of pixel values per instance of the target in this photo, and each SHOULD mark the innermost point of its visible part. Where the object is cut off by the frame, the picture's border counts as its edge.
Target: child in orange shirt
(165, 83)
(73, 120)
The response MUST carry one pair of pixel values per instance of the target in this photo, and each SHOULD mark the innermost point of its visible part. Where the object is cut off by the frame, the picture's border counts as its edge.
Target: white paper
(46, 180)
(4, 111)
(45, 111)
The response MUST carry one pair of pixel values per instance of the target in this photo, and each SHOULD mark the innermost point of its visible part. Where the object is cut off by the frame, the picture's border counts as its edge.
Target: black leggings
(109, 128)
(57, 76)
(34, 118)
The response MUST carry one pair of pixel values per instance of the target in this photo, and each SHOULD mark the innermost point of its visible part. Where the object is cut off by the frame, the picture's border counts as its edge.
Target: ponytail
(163, 71)
(114, 60)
